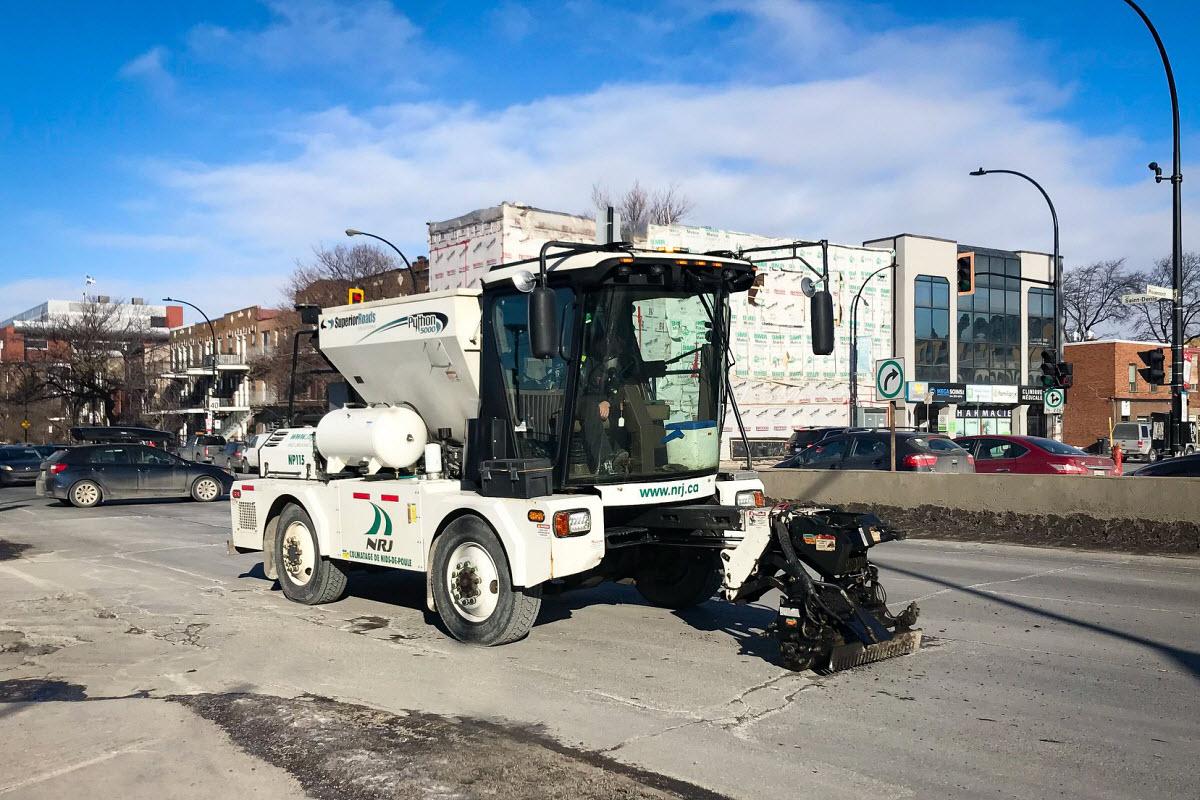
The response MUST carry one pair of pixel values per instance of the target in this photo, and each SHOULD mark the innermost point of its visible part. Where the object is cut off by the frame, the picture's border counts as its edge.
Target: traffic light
(1154, 373)
(966, 273)
(1050, 375)
(356, 296)
(1066, 375)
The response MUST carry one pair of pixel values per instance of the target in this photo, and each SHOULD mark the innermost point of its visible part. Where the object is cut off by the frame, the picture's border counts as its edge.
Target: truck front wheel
(677, 577)
(473, 590)
(304, 575)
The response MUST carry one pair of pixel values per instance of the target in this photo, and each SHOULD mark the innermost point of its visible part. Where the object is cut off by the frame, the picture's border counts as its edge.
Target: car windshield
(19, 454)
(1057, 448)
(647, 403)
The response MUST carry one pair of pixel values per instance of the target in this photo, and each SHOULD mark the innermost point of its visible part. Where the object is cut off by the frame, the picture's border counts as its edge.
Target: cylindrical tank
(392, 436)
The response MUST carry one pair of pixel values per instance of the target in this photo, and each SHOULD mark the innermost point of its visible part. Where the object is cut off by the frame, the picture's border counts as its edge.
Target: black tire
(206, 489)
(677, 577)
(515, 608)
(324, 580)
(1152, 457)
(85, 494)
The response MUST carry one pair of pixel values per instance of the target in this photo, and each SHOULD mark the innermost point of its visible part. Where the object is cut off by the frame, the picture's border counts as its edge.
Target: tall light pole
(854, 342)
(1057, 268)
(213, 331)
(1178, 399)
(412, 275)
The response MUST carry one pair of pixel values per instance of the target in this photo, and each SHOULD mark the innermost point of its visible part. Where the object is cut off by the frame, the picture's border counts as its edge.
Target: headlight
(6, 467)
(572, 523)
(750, 498)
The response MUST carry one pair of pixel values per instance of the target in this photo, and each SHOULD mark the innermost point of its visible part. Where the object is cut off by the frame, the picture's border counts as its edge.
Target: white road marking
(992, 583)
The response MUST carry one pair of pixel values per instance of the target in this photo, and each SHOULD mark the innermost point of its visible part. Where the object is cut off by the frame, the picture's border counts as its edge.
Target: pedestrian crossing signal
(356, 296)
(966, 273)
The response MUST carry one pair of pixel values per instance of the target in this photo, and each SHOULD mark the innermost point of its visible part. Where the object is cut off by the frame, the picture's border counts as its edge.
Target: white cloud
(150, 68)
(323, 34)
(879, 143)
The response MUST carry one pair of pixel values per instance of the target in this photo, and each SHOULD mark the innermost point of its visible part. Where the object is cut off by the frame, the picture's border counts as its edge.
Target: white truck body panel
(393, 522)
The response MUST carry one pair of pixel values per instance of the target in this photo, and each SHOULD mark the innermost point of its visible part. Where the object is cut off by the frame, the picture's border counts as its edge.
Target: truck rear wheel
(304, 575)
(677, 577)
(473, 590)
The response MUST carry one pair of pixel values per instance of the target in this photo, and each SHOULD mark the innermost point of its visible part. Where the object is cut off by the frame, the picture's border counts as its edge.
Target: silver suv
(1135, 441)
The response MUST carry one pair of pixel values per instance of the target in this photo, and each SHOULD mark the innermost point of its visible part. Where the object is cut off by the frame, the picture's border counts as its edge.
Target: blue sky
(200, 148)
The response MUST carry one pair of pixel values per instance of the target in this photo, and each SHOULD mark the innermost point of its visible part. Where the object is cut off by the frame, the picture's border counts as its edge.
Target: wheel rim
(473, 581)
(299, 557)
(206, 489)
(86, 494)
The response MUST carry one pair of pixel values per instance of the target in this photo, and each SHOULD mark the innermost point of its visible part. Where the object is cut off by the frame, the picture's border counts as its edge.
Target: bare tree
(640, 208)
(95, 353)
(1092, 297)
(323, 281)
(1153, 322)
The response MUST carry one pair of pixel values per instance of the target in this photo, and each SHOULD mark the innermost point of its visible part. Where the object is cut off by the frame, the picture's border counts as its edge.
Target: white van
(1135, 441)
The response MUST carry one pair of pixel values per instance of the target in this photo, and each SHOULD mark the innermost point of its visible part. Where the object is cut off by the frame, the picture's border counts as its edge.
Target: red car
(1033, 455)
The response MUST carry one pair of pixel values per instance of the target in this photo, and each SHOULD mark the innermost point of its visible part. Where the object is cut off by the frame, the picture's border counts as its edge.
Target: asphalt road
(138, 659)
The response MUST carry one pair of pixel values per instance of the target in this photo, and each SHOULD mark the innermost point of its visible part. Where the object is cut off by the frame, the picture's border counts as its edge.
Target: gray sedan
(89, 475)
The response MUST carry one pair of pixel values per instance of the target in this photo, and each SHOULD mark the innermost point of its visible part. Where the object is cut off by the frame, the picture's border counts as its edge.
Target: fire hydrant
(1116, 454)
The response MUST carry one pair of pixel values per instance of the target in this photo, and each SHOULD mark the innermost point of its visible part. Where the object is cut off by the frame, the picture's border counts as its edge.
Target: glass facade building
(989, 322)
(1040, 334)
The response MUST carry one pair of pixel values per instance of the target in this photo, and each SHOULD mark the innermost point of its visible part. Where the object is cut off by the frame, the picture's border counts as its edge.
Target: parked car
(231, 456)
(18, 464)
(1033, 455)
(1134, 439)
(915, 452)
(88, 475)
(204, 448)
(1182, 467)
(250, 457)
(803, 438)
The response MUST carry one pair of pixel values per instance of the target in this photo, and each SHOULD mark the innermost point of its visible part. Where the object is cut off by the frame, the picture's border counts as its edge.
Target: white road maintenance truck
(558, 427)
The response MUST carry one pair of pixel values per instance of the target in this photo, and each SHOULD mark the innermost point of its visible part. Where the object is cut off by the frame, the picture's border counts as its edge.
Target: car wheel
(304, 575)
(677, 577)
(85, 494)
(1153, 456)
(205, 489)
(473, 590)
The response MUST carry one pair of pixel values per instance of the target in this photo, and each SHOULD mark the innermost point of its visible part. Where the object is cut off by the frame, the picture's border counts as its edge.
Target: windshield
(647, 402)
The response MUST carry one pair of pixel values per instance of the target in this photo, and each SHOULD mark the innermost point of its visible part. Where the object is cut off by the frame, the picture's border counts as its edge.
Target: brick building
(1108, 388)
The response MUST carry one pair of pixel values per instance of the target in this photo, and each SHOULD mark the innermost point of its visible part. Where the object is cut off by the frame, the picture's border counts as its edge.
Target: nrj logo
(381, 520)
(349, 320)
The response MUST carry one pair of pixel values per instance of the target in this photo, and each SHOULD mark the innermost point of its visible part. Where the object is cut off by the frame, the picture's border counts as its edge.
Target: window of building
(931, 310)
(989, 323)
(1133, 376)
(1041, 329)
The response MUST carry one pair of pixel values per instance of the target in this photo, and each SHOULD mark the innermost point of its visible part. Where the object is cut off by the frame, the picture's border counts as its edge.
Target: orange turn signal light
(536, 515)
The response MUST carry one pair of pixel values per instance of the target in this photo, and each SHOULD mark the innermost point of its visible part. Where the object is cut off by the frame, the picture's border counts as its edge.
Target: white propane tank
(380, 436)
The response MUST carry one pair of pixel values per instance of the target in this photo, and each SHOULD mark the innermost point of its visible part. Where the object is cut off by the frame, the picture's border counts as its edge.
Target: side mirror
(822, 322)
(543, 323)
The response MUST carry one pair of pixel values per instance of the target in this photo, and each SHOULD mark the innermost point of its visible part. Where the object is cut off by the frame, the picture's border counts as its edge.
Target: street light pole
(1059, 338)
(213, 331)
(854, 342)
(411, 274)
(1178, 409)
